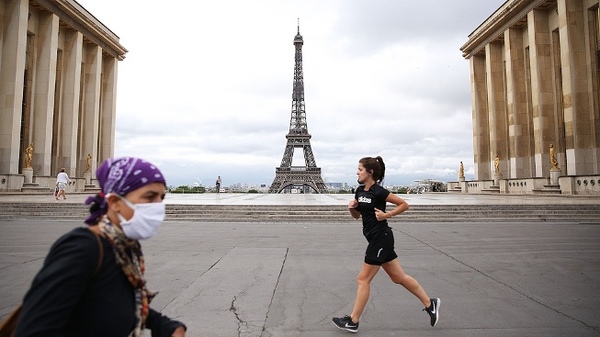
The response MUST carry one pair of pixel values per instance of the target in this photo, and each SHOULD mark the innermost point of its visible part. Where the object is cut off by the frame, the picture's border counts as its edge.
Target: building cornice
(512, 13)
(77, 17)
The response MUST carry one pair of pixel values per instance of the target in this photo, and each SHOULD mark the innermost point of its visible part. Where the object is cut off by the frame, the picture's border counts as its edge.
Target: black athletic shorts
(381, 249)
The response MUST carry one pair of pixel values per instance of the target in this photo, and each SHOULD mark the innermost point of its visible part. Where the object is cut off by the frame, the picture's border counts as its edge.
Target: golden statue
(461, 170)
(497, 164)
(88, 163)
(553, 160)
(29, 155)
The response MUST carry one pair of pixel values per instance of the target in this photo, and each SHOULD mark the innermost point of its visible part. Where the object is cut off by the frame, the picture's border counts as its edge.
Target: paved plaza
(289, 279)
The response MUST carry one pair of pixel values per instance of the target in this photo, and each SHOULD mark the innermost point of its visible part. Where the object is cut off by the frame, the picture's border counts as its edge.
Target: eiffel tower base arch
(290, 177)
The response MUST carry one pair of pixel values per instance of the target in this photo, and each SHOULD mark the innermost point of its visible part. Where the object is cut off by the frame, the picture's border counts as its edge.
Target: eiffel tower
(305, 178)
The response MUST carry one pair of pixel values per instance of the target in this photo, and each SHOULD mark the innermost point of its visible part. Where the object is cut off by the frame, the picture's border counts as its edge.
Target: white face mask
(146, 219)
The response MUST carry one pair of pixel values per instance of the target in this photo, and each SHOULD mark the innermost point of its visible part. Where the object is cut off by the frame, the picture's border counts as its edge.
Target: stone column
(91, 106)
(12, 69)
(520, 129)
(496, 105)
(481, 135)
(540, 51)
(596, 107)
(578, 112)
(72, 59)
(108, 111)
(43, 98)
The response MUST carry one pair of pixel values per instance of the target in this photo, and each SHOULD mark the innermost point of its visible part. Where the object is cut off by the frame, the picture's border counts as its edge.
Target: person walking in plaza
(92, 281)
(218, 184)
(62, 179)
(369, 203)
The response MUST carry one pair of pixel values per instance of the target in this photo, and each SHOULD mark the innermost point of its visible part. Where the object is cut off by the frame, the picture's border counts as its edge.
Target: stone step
(323, 213)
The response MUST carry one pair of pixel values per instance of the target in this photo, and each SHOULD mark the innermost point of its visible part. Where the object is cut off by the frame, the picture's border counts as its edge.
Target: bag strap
(96, 231)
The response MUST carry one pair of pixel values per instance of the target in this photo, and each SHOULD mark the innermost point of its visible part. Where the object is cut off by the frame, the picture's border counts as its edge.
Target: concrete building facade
(535, 87)
(58, 86)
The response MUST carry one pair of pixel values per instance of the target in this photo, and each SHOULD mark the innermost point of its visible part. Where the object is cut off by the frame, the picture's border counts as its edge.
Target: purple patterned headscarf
(120, 176)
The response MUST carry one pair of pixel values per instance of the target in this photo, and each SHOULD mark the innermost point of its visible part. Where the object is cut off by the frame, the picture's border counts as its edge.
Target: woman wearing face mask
(369, 202)
(92, 281)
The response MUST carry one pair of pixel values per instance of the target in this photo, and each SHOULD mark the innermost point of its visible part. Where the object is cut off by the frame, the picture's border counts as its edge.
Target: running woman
(369, 203)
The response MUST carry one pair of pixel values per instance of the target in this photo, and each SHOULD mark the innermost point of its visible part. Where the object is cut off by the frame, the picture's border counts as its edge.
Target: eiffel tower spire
(305, 178)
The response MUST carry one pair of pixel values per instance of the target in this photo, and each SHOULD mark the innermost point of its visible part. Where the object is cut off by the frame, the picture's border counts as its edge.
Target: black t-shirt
(70, 297)
(367, 202)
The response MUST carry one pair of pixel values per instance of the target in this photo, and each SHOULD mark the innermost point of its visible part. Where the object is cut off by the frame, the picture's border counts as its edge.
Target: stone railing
(580, 185)
(568, 185)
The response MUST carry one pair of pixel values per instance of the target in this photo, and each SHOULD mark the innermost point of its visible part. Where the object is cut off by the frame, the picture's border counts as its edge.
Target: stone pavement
(288, 279)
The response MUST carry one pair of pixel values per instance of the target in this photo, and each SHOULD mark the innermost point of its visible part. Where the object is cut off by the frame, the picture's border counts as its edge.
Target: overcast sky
(206, 87)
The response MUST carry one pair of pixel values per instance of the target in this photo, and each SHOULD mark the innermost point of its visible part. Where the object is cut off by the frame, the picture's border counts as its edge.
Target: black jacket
(71, 297)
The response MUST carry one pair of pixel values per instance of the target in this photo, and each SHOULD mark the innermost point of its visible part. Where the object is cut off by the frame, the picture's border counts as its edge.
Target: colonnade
(57, 89)
(535, 83)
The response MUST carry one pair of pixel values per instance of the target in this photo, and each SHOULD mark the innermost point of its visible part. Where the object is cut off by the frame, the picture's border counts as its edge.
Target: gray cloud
(206, 90)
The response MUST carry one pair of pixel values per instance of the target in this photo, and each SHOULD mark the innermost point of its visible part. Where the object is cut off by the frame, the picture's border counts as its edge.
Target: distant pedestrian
(92, 282)
(369, 203)
(218, 184)
(62, 179)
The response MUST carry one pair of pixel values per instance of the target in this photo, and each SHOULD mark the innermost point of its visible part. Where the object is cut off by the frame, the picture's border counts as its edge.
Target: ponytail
(382, 169)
